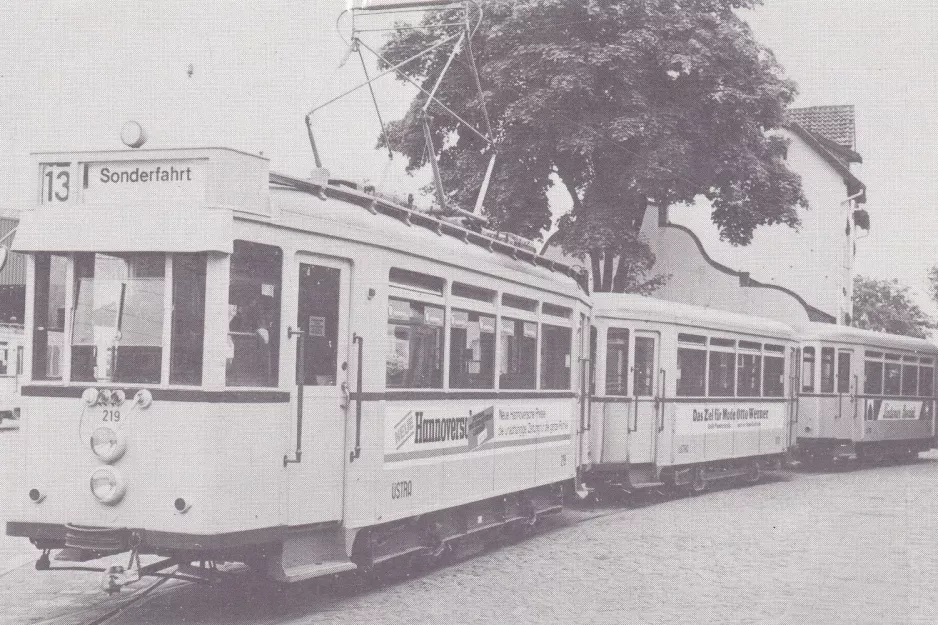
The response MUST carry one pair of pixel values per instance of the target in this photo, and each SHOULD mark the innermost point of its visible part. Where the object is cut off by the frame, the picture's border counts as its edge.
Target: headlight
(108, 444)
(107, 485)
(90, 396)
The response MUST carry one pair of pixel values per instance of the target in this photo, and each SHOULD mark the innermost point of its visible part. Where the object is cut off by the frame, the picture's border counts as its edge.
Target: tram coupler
(116, 576)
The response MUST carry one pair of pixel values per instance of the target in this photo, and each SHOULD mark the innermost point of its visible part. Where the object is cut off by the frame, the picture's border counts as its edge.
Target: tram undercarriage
(298, 553)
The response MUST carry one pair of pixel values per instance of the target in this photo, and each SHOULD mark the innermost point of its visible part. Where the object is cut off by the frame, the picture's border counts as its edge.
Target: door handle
(346, 394)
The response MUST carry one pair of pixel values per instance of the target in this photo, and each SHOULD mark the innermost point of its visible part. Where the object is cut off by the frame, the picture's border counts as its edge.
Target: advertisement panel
(896, 410)
(711, 418)
(412, 433)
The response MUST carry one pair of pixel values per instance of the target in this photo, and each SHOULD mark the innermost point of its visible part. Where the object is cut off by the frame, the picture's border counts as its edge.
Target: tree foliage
(625, 103)
(885, 306)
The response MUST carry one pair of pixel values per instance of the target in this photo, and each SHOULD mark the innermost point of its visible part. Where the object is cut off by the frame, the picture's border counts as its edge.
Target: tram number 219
(111, 416)
(56, 183)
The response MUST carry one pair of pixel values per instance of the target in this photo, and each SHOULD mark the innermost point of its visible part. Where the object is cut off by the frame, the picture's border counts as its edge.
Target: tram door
(642, 442)
(320, 339)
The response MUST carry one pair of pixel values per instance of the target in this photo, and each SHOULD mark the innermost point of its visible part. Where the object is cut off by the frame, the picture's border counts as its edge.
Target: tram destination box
(188, 197)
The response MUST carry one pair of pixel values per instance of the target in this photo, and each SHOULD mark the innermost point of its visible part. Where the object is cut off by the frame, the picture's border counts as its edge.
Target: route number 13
(56, 183)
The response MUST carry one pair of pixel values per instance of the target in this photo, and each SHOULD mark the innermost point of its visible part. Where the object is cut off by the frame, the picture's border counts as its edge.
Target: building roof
(834, 123)
(831, 131)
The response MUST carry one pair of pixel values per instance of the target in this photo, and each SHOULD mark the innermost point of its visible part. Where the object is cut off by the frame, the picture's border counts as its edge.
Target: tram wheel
(698, 483)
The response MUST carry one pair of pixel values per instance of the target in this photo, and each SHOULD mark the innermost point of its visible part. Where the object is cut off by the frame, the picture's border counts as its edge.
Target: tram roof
(342, 209)
(858, 336)
(638, 307)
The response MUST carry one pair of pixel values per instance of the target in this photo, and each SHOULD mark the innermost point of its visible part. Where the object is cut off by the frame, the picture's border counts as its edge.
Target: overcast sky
(73, 71)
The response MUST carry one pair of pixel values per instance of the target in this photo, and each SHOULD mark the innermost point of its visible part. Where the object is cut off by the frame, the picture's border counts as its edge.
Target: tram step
(638, 485)
(309, 554)
(318, 569)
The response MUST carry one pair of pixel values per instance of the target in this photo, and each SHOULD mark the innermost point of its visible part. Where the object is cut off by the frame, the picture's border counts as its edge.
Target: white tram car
(864, 394)
(227, 364)
(685, 395)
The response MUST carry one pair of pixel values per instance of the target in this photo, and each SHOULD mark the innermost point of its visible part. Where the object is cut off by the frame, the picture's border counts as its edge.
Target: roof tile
(835, 123)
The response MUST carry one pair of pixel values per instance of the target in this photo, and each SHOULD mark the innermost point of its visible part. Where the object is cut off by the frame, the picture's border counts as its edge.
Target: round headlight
(108, 444)
(107, 485)
(90, 396)
(143, 398)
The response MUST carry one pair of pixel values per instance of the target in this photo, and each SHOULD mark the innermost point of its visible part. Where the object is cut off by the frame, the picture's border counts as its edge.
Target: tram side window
(691, 371)
(691, 365)
(873, 374)
(909, 380)
(472, 350)
(617, 361)
(722, 374)
(892, 377)
(773, 384)
(843, 372)
(119, 308)
(415, 345)
(644, 366)
(926, 381)
(807, 370)
(517, 362)
(185, 363)
(555, 357)
(254, 315)
(749, 374)
(49, 315)
(827, 369)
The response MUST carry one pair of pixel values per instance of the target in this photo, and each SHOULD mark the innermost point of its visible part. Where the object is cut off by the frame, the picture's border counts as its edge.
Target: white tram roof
(827, 332)
(639, 308)
(187, 200)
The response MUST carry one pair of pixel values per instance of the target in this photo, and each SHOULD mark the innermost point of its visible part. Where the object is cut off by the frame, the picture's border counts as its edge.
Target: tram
(11, 370)
(864, 395)
(233, 365)
(686, 395)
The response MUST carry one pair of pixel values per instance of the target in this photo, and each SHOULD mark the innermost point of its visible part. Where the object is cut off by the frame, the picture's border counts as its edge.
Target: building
(785, 274)
(12, 278)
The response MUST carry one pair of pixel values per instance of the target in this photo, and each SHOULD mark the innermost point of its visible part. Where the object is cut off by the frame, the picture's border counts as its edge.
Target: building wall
(815, 261)
(12, 279)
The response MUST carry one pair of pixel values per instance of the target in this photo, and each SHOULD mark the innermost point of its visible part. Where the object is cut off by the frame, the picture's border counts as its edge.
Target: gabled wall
(798, 274)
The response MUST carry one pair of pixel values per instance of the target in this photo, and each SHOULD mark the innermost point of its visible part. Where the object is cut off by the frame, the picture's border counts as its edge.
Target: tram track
(353, 583)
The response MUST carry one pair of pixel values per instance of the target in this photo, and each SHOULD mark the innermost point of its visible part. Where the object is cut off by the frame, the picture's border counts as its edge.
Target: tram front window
(118, 328)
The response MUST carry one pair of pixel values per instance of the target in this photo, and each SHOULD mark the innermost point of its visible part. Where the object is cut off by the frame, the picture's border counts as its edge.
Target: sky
(73, 71)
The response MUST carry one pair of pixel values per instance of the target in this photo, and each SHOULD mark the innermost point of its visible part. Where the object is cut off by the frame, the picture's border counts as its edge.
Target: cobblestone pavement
(848, 547)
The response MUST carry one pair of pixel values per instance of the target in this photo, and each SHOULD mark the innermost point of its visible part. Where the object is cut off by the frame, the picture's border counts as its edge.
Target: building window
(472, 350)
(807, 370)
(254, 315)
(49, 316)
(119, 308)
(518, 359)
(185, 363)
(617, 361)
(555, 357)
(415, 345)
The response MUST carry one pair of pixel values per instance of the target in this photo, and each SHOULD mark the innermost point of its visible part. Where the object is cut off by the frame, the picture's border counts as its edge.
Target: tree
(626, 104)
(885, 306)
